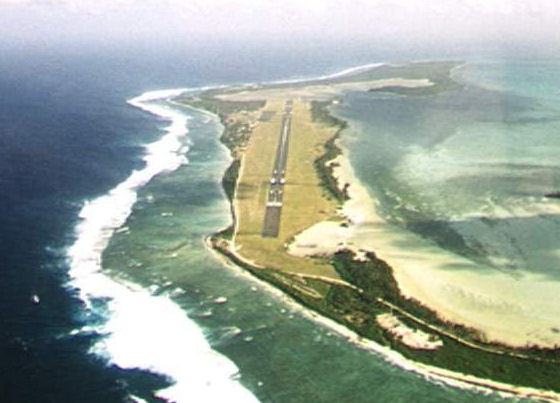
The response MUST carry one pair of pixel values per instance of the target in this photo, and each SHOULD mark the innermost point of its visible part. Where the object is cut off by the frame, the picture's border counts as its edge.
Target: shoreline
(118, 322)
(286, 286)
(368, 231)
(431, 373)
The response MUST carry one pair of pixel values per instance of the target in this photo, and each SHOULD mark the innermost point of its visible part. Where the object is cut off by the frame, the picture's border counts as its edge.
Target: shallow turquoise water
(282, 356)
(469, 169)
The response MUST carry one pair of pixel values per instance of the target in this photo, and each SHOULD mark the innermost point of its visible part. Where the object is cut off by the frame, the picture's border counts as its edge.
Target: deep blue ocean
(67, 135)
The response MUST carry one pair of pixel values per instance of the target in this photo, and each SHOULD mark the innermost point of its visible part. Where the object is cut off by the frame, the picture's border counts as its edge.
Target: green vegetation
(226, 233)
(320, 113)
(304, 201)
(438, 87)
(437, 72)
(375, 279)
(236, 131)
(357, 310)
(220, 107)
(373, 276)
(371, 286)
(229, 180)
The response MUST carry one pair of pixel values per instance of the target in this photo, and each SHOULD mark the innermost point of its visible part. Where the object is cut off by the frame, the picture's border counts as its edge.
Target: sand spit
(451, 285)
(433, 374)
(517, 311)
(323, 92)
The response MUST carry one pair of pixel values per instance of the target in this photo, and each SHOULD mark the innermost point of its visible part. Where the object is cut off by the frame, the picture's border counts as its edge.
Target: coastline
(162, 318)
(359, 210)
(368, 231)
(430, 373)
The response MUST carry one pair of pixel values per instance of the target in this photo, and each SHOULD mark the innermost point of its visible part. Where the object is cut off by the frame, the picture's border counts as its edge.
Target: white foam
(145, 331)
(154, 333)
(142, 330)
(342, 73)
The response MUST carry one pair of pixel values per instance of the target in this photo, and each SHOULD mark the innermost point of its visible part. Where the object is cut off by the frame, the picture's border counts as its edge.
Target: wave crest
(142, 330)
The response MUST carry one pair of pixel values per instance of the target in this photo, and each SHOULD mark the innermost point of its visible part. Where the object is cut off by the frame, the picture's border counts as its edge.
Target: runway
(273, 211)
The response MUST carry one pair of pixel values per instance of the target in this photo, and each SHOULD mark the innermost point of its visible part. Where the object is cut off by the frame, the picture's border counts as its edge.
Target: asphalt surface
(273, 211)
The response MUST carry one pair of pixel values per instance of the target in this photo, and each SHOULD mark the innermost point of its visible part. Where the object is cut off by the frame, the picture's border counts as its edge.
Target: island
(294, 204)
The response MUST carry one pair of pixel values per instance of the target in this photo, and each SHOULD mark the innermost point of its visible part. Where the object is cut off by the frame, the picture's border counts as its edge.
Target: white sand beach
(323, 92)
(435, 374)
(517, 311)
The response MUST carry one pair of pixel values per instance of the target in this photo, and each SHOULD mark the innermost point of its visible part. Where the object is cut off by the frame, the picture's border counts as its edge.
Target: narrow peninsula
(295, 203)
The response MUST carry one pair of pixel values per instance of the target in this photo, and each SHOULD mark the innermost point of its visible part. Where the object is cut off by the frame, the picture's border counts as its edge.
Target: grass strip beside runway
(305, 201)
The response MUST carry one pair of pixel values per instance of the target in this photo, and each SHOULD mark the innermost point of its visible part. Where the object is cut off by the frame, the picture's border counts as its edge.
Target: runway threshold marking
(275, 196)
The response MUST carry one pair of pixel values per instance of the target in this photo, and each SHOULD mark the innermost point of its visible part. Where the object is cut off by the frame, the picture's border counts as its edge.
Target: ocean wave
(338, 74)
(341, 73)
(143, 330)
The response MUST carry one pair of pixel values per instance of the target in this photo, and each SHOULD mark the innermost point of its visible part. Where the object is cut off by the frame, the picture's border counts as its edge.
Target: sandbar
(510, 310)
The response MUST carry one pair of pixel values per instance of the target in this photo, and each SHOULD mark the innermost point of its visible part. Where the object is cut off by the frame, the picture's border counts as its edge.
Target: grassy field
(305, 201)
(311, 196)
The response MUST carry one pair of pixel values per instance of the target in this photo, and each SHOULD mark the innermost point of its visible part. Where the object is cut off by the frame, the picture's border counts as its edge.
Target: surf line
(146, 341)
(140, 330)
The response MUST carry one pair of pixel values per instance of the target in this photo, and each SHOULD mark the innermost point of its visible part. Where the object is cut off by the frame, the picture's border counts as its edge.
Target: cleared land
(355, 288)
(305, 202)
(273, 211)
(324, 91)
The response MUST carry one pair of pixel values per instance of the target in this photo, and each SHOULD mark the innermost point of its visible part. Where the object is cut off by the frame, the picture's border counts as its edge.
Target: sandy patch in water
(517, 310)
